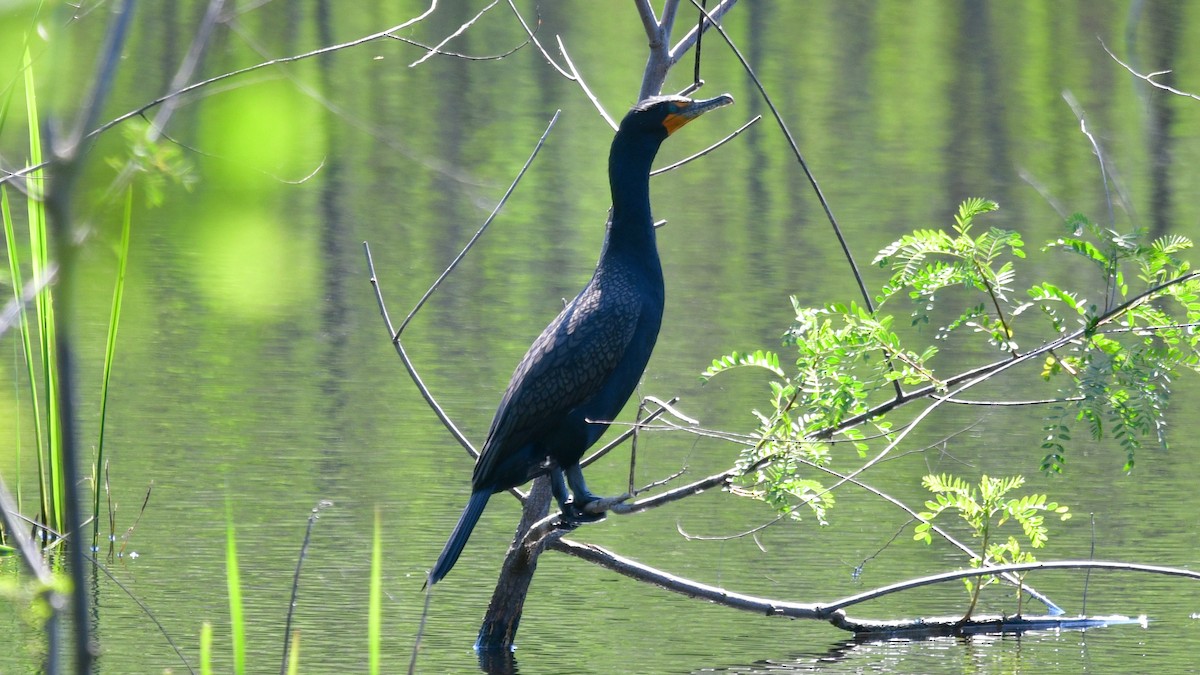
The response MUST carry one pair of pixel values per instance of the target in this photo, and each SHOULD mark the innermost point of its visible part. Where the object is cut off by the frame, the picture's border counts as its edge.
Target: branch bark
(834, 612)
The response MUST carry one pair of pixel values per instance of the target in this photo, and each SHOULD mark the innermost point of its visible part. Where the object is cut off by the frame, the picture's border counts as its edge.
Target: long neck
(629, 178)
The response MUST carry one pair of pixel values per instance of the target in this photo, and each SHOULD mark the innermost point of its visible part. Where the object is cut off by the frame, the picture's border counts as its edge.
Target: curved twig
(707, 150)
(408, 364)
(437, 49)
(578, 79)
(1149, 77)
(495, 211)
(831, 611)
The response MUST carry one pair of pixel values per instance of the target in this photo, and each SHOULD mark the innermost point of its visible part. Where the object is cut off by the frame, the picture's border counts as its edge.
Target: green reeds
(109, 350)
(40, 364)
(14, 272)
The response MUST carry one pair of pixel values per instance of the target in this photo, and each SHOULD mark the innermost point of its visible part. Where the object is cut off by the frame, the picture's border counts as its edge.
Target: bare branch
(707, 483)
(625, 435)
(408, 364)
(833, 611)
(868, 302)
(636, 570)
(583, 85)
(728, 537)
(459, 55)
(667, 23)
(499, 205)
(649, 21)
(836, 605)
(1148, 77)
(191, 62)
(992, 404)
(707, 150)
(461, 29)
(537, 43)
(689, 39)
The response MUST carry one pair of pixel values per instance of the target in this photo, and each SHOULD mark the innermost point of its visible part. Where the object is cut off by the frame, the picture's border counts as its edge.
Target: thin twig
(461, 29)
(991, 404)
(191, 63)
(287, 626)
(537, 43)
(710, 18)
(408, 364)
(583, 85)
(459, 55)
(828, 608)
(633, 443)
(707, 150)
(727, 537)
(145, 610)
(479, 233)
(141, 512)
(608, 447)
(1148, 77)
(412, 661)
(1078, 110)
(812, 179)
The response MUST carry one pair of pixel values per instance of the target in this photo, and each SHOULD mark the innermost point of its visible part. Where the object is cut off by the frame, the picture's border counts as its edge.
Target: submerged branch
(833, 612)
(859, 598)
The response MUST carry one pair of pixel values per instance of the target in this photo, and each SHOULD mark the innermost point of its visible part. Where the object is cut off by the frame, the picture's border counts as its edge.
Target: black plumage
(579, 373)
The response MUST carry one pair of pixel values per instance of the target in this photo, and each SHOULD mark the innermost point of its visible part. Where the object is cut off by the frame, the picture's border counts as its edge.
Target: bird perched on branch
(581, 370)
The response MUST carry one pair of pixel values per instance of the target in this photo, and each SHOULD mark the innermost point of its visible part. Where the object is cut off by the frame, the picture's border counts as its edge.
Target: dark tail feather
(458, 538)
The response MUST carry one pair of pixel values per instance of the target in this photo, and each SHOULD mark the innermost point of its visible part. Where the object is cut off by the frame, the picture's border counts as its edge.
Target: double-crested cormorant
(581, 370)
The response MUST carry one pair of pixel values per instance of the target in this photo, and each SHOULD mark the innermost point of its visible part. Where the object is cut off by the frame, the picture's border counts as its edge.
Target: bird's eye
(672, 108)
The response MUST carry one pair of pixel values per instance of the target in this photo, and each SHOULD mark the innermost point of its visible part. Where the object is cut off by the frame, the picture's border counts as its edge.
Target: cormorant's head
(663, 115)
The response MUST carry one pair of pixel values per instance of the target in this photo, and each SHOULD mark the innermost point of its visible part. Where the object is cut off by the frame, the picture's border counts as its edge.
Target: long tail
(458, 538)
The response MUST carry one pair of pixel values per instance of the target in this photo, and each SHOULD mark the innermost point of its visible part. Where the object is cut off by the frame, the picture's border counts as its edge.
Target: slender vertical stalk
(236, 619)
(206, 649)
(109, 351)
(375, 602)
(14, 271)
(49, 448)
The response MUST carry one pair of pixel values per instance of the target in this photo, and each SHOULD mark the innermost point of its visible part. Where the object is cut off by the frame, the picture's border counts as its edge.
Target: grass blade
(14, 271)
(375, 603)
(49, 456)
(236, 618)
(293, 665)
(206, 649)
(109, 350)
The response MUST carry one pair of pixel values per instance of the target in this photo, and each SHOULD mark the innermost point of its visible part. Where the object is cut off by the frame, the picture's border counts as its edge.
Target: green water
(252, 365)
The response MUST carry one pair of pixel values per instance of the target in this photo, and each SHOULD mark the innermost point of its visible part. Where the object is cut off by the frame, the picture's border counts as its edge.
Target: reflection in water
(497, 661)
